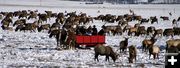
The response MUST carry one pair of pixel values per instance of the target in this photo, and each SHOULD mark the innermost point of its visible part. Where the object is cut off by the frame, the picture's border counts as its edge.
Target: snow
(36, 49)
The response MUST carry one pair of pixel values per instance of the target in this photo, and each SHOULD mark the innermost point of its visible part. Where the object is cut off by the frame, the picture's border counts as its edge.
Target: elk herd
(66, 26)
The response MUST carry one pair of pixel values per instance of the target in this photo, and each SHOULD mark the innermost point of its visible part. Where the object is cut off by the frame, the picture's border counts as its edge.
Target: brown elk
(144, 20)
(54, 27)
(153, 19)
(141, 30)
(133, 30)
(147, 43)
(20, 22)
(6, 22)
(49, 14)
(29, 26)
(173, 49)
(104, 50)
(123, 45)
(150, 30)
(43, 17)
(174, 42)
(168, 32)
(164, 18)
(176, 30)
(154, 50)
(23, 14)
(32, 15)
(158, 31)
(132, 53)
(44, 27)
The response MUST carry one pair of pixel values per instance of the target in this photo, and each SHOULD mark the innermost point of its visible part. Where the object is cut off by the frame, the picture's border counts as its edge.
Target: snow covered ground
(19, 49)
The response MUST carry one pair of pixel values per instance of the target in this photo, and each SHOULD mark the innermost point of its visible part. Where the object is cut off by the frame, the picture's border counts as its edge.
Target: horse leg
(107, 58)
(96, 57)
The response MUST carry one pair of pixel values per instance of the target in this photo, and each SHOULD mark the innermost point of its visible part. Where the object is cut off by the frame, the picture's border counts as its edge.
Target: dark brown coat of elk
(43, 17)
(164, 18)
(32, 15)
(30, 26)
(123, 45)
(144, 20)
(141, 30)
(23, 14)
(44, 27)
(173, 49)
(176, 30)
(150, 30)
(168, 32)
(132, 53)
(20, 22)
(104, 50)
(153, 19)
(158, 32)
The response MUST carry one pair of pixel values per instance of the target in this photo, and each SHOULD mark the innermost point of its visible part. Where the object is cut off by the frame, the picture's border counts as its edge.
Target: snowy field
(33, 50)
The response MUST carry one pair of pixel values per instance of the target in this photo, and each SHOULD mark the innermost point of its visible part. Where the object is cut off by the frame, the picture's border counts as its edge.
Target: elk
(104, 50)
(173, 42)
(154, 50)
(132, 53)
(123, 45)
(146, 43)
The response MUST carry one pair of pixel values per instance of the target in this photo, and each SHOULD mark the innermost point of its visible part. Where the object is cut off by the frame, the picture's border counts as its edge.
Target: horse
(99, 49)
(61, 37)
(132, 53)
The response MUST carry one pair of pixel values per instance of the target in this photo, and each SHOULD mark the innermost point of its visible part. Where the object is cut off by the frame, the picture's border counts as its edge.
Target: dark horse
(60, 35)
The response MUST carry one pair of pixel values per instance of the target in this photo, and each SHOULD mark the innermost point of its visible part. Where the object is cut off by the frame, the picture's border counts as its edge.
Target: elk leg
(157, 56)
(149, 55)
(154, 56)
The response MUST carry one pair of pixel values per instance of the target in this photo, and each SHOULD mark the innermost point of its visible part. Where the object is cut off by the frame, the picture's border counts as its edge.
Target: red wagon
(89, 41)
